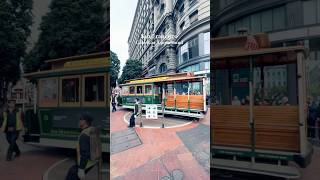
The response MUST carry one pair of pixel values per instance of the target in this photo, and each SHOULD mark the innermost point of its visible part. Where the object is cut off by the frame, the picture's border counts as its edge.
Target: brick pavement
(32, 163)
(162, 151)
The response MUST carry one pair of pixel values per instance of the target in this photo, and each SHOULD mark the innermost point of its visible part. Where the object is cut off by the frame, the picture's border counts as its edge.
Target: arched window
(163, 68)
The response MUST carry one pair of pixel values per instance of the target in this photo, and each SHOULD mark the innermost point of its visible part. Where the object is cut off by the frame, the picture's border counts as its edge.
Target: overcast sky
(121, 17)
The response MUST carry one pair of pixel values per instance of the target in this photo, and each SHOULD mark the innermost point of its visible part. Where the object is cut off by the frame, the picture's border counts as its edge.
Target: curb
(45, 176)
(152, 127)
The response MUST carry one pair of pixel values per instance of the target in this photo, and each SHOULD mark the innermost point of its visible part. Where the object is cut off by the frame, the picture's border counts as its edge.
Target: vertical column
(170, 51)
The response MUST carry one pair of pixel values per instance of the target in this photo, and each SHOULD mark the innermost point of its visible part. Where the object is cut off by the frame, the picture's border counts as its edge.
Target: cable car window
(48, 92)
(157, 89)
(196, 88)
(94, 89)
(70, 90)
(125, 90)
(139, 90)
(182, 88)
(131, 90)
(148, 89)
(169, 89)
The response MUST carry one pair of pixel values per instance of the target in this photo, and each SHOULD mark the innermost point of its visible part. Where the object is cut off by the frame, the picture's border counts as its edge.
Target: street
(39, 163)
(151, 152)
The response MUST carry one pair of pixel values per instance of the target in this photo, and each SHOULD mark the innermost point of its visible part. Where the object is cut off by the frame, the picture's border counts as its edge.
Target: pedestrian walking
(11, 126)
(84, 159)
(114, 102)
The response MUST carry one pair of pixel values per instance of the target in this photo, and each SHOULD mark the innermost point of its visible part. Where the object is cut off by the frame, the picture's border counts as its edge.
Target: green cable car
(71, 86)
(182, 94)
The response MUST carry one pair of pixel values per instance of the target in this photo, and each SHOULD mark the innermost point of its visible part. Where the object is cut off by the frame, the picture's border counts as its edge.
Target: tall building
(170, 36)
(287, 22)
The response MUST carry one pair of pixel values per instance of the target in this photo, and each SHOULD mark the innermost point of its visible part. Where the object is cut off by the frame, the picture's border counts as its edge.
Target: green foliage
(69, 28)
(131, 70)
(15, 23)
(115, 69)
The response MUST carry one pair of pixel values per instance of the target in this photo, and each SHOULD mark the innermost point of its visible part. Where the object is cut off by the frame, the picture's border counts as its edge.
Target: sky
(121, 17)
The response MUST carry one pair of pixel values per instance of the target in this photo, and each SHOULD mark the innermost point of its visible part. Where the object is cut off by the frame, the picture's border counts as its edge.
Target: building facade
(287, 22)
(171, 36)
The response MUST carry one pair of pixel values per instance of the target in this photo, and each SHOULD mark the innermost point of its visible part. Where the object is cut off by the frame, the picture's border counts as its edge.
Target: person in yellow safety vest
(84, 163)
(12, 125)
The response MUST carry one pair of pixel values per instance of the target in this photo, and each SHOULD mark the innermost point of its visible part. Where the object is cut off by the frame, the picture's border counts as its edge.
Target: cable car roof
(236, 52)
(89, 63)
(164, 78)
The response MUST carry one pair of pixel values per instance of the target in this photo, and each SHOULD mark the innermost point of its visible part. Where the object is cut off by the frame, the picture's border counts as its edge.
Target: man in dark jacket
(84, 163)
(135, 113)
(114, 102)
(12, 125)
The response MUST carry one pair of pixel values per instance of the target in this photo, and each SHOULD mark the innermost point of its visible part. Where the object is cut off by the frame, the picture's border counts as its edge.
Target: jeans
(132, 121)
(114, 107)
(12, 137)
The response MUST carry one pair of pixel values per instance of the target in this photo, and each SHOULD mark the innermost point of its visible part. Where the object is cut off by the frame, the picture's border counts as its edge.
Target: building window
(206, 42)
(184, 53)
(279, 18)
(231, 29)
(163, 68)
(193, 48)
(181, 11)
(182, 26)
(193, 17)
(266, 18)
(309, 12)
(192, 2)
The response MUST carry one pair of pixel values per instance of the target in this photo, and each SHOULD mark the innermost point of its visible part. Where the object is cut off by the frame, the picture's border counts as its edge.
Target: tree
(115, 69)
(15, 24)
(131, 70)
(69, 28)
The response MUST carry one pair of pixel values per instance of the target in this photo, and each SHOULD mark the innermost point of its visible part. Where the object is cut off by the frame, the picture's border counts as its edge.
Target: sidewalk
(60, 169)
(162, 154)
(32, 163)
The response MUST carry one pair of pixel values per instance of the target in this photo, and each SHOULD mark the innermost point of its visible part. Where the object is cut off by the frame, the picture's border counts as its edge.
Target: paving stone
(197, 140)
(124, 140)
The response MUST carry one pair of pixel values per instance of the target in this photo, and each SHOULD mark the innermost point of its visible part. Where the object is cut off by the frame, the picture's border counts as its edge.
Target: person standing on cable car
(12, 125)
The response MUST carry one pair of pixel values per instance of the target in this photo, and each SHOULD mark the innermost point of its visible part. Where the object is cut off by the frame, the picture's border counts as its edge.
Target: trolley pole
(162, 108)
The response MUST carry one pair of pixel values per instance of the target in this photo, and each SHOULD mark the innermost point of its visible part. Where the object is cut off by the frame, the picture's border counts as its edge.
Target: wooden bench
(230, 126)
(182, 102)
(276, 127)
(196, 102)
(170, 102)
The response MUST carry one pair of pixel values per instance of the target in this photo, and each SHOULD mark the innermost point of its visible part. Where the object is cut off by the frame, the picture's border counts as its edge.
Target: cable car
(258, 114)
(69, 87)
(182, 94)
